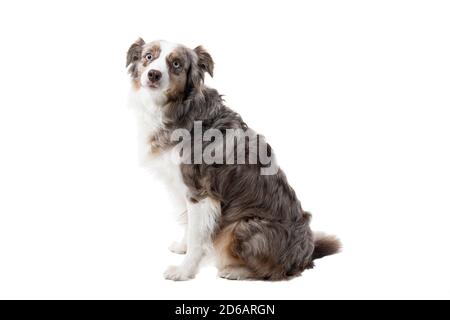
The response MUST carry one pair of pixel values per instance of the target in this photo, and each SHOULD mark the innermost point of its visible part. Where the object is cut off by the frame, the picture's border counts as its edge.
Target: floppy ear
(134, 54)
(205, 61)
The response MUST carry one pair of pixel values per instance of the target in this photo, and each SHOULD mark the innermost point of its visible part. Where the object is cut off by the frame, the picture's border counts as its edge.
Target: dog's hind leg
(229, 265)
(265, 250)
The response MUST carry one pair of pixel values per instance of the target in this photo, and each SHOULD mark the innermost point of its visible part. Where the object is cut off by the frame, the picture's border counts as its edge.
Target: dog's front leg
(202, 220)
(180, 247)
(181, 216)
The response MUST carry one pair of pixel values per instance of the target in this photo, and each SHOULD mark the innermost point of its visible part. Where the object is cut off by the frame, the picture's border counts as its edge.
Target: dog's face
(166, 71)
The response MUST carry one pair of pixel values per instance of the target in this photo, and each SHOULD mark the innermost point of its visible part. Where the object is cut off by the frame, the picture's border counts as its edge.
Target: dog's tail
(325, 245)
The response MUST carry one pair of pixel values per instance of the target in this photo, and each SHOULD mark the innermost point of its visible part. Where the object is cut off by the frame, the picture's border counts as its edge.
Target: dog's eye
(176, 64)
(149, 57)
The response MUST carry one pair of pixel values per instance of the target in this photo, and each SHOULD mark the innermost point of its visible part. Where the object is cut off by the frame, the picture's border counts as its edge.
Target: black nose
(154, 75)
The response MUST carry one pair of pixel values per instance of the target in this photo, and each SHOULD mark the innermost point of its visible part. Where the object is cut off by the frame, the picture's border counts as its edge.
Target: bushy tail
(325, 245)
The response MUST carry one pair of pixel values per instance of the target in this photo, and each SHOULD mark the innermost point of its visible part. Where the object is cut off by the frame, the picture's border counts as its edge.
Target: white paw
(225, 274)
(178, 247)
(176, 273)
(234, 273)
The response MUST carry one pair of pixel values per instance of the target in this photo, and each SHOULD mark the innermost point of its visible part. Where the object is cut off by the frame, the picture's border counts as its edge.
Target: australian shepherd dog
(233, 199)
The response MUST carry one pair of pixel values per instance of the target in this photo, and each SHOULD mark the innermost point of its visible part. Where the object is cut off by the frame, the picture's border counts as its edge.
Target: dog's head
(166, 71)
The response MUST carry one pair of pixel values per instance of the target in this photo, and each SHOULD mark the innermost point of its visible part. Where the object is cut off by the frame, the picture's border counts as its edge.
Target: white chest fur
(149, 120)
(161, 163)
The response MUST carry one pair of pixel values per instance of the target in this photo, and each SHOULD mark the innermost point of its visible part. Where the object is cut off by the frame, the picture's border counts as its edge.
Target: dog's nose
(154, 75)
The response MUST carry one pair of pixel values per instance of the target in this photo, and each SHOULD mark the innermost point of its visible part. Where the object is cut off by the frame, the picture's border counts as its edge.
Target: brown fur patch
(178, 76)
(154, 48)
(160, 141)
(136, 84)
(224, 244)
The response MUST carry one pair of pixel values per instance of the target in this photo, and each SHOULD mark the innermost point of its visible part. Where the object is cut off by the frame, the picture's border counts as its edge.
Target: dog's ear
(205, 61)
(201, 62)
(135, 51)
(134, 54)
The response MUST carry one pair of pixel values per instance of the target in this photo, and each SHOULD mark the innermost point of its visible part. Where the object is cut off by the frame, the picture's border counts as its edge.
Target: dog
(243, 213)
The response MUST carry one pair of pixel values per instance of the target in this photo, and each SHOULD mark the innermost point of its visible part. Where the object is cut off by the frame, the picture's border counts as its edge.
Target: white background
(353, 96)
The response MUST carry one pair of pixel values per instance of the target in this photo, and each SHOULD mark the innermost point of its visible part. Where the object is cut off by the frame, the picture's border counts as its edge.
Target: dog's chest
(149, 121)
(160, 161)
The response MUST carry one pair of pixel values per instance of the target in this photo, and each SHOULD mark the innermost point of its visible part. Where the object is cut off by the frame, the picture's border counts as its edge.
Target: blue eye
(176, 64)
(149, 57)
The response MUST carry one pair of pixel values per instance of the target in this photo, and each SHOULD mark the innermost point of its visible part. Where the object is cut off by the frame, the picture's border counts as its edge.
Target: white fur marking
(202, 221)
(157, 95)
